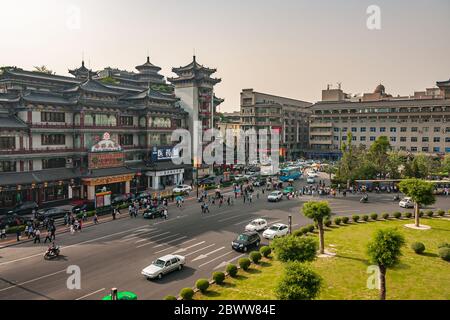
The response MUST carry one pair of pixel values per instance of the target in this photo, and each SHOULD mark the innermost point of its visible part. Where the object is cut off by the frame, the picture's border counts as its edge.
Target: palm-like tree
(318, 211)
(421, 192)
(43, 69)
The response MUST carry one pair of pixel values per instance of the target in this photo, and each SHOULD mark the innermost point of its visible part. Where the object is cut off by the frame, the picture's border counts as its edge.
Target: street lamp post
(290, 223)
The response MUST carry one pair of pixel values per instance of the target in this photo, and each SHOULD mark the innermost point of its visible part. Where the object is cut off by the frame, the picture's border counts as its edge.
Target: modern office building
(289, 116)
(416, 123)
(69, 137)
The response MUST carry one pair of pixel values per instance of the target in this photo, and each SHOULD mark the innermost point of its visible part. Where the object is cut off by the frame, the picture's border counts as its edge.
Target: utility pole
(290, 223)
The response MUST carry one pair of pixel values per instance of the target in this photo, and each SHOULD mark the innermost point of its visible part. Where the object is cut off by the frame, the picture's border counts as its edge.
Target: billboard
(164, 153)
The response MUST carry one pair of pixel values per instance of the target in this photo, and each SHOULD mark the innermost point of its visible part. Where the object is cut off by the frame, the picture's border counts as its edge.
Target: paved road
(114, 253)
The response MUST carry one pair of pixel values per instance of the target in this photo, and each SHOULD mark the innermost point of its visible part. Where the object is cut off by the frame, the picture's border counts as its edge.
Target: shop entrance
(115, 188)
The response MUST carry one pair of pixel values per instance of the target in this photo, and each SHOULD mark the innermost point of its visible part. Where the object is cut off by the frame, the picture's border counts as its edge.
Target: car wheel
(180, 267)
(257, 243)
(245, 249)
(160, 275)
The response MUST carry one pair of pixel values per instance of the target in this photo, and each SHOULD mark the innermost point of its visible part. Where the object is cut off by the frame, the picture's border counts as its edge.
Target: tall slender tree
(318, 211)
(421, 192)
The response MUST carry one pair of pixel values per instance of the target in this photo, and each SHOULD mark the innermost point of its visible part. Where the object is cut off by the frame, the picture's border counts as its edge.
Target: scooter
(364, 199)
(51, 253)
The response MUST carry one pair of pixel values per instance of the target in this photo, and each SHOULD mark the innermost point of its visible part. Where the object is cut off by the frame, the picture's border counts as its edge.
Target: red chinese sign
(106, 160)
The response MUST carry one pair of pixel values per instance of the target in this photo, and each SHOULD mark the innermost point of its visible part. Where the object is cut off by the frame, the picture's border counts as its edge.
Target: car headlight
(241, 245)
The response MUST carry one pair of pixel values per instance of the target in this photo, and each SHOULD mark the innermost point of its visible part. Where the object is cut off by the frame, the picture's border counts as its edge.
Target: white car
(275, 196)
(164, 265)
(406, 203)
(182, 188)
(256, 225)
(312, 174)
(276, 231)
(310, 180)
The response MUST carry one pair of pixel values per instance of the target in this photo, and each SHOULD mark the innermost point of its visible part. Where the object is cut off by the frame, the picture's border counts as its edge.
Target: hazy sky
(284, 47)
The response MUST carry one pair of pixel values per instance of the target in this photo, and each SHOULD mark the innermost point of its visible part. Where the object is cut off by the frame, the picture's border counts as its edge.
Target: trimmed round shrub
(365, 217)
(170, 298)
(337, 221)
(218, 277)
(374, 216)
(295, 248)
(244, 263)
(385, 216)
(186, 293)
(443, 245)
(311, 228)
(265, 251)
(232, 270)
(444, 253)
(418, 247)
(397, 215)
(299, 282)
(304, 230)
(255, 256)
(440, 212)
(429, 213)
(407, 214)
(448, 211)
(345, 220)
(202, 285)
(355, 218)
(327, 223)
(298, 232)
(421, 213)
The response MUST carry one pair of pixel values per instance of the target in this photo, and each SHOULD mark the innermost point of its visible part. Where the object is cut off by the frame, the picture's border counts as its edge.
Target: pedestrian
(229, 200)
(37, 236)
(48, 237)
(66, 219)
(114, 213)
(18, 235)
(3, 233)
(84, 215)
(250, 198)
(95, 218)
(165, 214)
(30, 231)
(76, 225)
(80, 224)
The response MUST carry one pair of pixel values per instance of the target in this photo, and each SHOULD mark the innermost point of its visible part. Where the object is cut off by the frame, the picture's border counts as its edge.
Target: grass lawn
(345, 276)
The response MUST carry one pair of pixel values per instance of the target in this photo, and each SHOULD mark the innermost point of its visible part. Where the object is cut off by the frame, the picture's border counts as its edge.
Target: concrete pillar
(91, 192)
(127, 187)
(155, 184)
(149, 185)
(180, 178)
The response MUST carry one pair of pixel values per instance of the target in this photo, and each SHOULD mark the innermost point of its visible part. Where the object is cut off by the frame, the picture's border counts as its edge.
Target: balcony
(42, 150)
(321, 125)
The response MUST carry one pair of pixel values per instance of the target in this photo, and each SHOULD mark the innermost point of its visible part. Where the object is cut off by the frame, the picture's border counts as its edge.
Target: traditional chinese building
(52, 129)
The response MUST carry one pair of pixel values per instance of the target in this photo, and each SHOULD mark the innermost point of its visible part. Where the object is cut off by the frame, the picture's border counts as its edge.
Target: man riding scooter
(364, 199)
(52, 251)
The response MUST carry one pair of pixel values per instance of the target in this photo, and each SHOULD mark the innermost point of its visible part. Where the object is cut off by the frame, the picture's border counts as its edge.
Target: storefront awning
(23, 178)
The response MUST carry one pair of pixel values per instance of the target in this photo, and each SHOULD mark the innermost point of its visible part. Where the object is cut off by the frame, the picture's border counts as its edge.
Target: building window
(447, 130)
(53, 117)
(436, 149)
(373, 129)
(414, 129)
(7, 166)
(425, 149)
(382, 129)
(126, 139)
(354, 129)
(447, 139)
(7, 143)
(53, 163)
(413, 149)
(363, 129)
(53, 139)
(437, 129)
(425, 129)
(126, 120)
(402, 139)
(403, 129)
(336, 138)
(373, 138)
(362, 138)
(436, 139)
(403, 148)
(344, 129)
(353, 138)
(336, 129)
(425, 139)
(393, 129)
(393, 139)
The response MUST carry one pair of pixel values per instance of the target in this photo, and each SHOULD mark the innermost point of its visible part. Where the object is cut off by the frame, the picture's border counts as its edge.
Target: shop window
(53, 139)
(7, 143)
(53, 163)
(7, 166)
(53, 117)
(126, 139)
(126, 120)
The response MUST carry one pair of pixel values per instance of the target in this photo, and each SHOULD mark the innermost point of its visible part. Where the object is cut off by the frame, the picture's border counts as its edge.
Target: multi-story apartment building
(418, 123)
(289, 116)
(68, 137)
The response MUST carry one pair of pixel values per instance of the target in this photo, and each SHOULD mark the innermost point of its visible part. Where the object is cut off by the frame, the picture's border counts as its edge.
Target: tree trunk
(382, 283)
(416, 214)
(321, 238)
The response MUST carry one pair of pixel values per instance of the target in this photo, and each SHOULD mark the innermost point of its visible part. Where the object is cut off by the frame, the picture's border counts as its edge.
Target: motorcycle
(51, 253)
(364, 200)
(396, 198)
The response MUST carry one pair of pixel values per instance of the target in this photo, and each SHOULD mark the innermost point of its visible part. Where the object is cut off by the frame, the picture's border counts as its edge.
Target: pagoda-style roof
(17, 72)
(94, 86)
(152, 94)
(50, 98)
(9, 98)
(443, 83)
(81, 72)
(148, 66)
(193, 66)
(11, 122)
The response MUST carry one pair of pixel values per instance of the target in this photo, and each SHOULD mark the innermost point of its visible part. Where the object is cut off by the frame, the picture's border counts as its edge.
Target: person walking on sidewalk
(80, 224)
(3, 233)
(37, 236)
(53, 232)
(166, 215)
(48, 237)
(18, 235)
(30, 231)
(95, 218)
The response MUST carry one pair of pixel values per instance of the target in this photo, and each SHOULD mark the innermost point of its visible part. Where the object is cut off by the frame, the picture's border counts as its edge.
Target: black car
(12, 221)
(121, 199)
(246, 240)
(259, 182)
(154, 213)
(53, 213)
(24, 208)
(88, 206)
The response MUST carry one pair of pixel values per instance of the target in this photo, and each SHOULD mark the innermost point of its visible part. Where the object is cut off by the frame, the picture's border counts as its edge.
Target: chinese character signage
(105, 160)
(164, 153)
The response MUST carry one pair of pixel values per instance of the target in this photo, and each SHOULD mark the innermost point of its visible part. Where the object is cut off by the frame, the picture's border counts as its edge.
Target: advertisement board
(164, 153)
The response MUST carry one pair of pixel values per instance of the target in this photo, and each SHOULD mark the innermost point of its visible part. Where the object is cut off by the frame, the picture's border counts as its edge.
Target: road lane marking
(90, 294)
(33, 280)
(243, 222)
(72, 245)
(229, 218)
(171, 241)
(217, 258)
(153, 236)
(172, 247)
(225, 263)
(206, 255)
(185, 249)
(149, 243)
(274, 221)
(211, 245)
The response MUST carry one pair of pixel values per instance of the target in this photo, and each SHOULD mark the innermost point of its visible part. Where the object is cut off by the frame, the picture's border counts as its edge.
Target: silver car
(164, 265)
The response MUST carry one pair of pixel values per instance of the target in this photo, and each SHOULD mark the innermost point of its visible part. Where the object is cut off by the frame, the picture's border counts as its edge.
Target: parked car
(259, 182)
(53, 213)
(182, 188)
(164, 265)
(310, 180)
(143, 195)
(88, 206)
(246, 240)
(12, 221)
(288, 190)
(275, 196)
(256, 225)
(207, 181)
(406, 203)
(24, 208)
(275, 231)
(153, 213)
(121, 198)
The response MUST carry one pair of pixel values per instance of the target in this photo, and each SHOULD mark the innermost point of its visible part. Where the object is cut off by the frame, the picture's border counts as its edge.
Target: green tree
(292, 248)
(318, 211)
(421, 192)
(378, 155)
(43, 69)
(299, 282)
(109, 80)
(385, 251)
(446, 164)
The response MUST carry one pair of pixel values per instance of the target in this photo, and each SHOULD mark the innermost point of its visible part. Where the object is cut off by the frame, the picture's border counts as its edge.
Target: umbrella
(123, 295)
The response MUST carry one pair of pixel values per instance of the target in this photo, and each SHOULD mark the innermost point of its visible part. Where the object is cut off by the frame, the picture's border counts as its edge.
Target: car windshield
(274, 194)
(254, 223)
(243, 237)
(274, 228)
(159, 263)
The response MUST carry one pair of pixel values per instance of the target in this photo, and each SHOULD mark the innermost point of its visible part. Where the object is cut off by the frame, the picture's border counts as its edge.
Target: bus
(290, 173)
